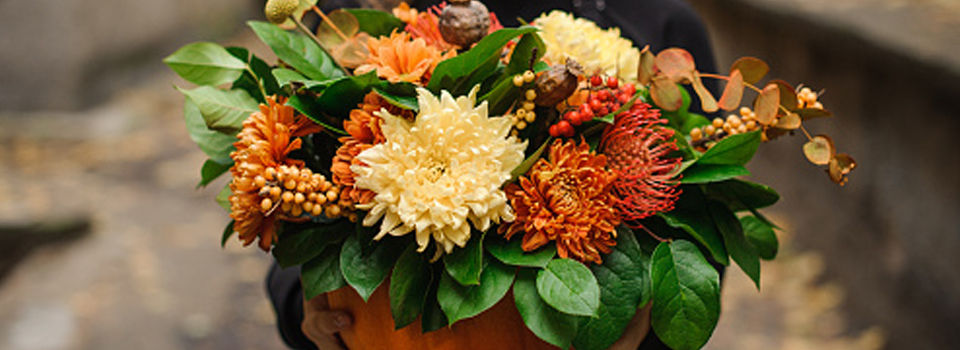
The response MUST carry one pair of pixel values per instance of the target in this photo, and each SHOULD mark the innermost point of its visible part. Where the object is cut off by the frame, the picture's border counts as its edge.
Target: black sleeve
(286, 295)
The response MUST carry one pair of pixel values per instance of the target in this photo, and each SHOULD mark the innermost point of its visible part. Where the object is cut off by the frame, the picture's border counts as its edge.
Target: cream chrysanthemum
(433, 174)
(596, 49)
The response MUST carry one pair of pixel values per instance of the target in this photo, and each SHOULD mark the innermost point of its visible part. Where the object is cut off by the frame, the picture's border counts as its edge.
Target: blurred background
(106, 244)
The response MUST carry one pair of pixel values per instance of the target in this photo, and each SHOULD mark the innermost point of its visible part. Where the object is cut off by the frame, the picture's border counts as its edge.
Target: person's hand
(320, 324)
(636, 331)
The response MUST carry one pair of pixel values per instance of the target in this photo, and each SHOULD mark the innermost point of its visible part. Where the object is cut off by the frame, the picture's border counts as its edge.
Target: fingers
(321, 327)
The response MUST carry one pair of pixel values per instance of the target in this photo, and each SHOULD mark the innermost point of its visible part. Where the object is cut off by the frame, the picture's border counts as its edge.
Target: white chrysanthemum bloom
(435, 173)
(596, 49)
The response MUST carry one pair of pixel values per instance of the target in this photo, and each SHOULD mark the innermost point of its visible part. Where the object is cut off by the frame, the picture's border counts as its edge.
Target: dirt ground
(151, 273)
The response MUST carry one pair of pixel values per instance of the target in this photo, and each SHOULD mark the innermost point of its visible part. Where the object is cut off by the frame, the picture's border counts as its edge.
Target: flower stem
(754, 88)
(316, 40)
(259, 83)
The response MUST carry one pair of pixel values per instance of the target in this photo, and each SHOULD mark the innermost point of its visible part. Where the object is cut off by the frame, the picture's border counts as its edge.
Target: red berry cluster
(605, 97)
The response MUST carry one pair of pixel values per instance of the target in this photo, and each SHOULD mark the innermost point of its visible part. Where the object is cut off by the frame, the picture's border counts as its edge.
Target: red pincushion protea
(637, 146)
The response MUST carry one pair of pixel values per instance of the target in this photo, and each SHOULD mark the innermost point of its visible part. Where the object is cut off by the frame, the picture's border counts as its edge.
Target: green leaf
(742, 195)
(223, 198)
(530, 161)
(455, 74)
(214, 144)
(344, 94)
(460, 302)
(205, 63)
(260, 76)
(465, 264)
(570, 287)
(499, 99)
(686, 294)
(227, 233)
(223, 111)
(298, 244)
(733, 238)
(624, 281)
(528, 51)
(365, 272)
(298, 51)
(760, 236)
(403, 95)
(697, 223)
(734, 149)
(322, 273)
(547, 323)
(286, 77)
(433, 317)
(211, 171)
(409, 284)
(307, 106)
(704, 173)
(376, 23)
(511, 252)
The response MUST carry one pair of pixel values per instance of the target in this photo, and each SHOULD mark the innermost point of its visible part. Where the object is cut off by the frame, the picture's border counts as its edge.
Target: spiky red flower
(637, 145)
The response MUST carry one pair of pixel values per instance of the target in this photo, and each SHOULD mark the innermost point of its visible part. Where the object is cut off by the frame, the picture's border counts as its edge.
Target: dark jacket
(658, 23)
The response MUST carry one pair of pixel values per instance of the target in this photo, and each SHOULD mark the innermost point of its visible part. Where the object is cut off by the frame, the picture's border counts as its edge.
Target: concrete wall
(890, 237)
(68, 54)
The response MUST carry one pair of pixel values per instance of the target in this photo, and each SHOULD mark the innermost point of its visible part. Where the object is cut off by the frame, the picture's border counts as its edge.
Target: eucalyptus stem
(316, 40)
(757, 90)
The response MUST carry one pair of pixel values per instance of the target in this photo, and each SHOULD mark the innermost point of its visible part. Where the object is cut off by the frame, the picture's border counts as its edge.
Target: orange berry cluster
(524, 115)
(298, 191)
(705, 137)
(806, 98)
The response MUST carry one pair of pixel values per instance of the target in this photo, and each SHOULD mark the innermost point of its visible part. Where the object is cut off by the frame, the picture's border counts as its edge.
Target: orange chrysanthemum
(364, 130)
(266, 139)
(400, 57)
(426, 25)
(639, 146)
(566, 198)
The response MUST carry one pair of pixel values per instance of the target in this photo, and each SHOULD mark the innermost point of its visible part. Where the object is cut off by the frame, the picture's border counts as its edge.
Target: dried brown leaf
(819, 150)
(352, 53)
(733, 92)
(665, 93)
(813, 113)
(791, 121)
(344, 22)
(676, 63)
(645, 70)
(788, 96)
(767, 104)
(752, 68)
(707, 102)
(840, 166)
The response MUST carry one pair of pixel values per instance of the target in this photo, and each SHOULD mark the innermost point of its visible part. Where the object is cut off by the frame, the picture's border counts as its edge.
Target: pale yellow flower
(596, 49)
(434, 174)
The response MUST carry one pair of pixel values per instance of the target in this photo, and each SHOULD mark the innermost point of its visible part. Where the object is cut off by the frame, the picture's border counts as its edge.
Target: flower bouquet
(441, 161)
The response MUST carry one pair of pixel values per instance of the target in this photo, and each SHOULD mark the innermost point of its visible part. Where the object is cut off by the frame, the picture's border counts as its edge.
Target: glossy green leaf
(322, 273)
(460, 302)
(456, 74)
(223, 197)
(286, 77)
(501, 97)
(570, 287)
(345, 94)
(530, 161)
(760, 236)
(432, 317)
(527, 52)
(376, 23)
(365, 272)
(298, 51)
(222, 110)
(686, 294)
(298, 244)
(742, 195)
(260, 76)
(465, 264)
(214, 144)
(227, 233)
(205, 63)
(403, 95)
(307, 105)
(547, 323)
(704, 173)
(409, 286)
(624, 280)
(697, 224)
(733, 238)
(211, 170)
(734, 149)
(511, 252)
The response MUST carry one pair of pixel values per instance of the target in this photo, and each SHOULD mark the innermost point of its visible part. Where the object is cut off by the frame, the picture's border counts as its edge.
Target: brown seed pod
(464, 22)
(558, 83)
(278, 11)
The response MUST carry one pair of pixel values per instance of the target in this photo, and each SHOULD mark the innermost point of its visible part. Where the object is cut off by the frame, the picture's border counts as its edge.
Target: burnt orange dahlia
(638, 146)
(266, 139)
(566, 198)
(364, 129)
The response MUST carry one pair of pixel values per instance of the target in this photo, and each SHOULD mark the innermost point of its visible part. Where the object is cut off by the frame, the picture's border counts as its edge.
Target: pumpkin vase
(500, 327)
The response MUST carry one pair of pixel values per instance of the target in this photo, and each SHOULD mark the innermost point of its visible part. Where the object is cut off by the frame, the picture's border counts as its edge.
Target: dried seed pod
(464, 22)
(558, 83)
(278, 11)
